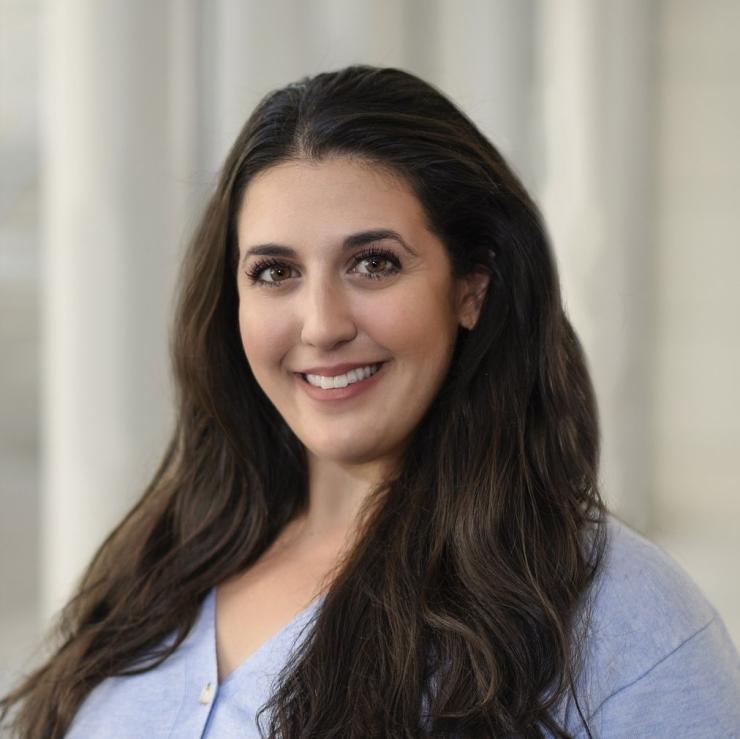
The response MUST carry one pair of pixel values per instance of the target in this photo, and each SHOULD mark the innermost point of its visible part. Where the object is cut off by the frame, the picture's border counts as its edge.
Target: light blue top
(659, 663)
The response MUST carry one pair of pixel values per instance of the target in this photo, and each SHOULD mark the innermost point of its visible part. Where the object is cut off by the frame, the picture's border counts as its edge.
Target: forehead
(326, 199)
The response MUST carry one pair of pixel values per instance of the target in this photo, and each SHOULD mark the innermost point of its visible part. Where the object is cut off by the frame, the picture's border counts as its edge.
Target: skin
(325, 310)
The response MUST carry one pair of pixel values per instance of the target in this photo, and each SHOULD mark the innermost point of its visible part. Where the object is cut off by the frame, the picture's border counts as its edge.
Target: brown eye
(374, 262)
(276, 270)
(379, 263)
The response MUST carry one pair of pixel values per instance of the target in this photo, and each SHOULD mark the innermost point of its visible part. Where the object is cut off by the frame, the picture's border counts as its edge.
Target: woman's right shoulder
(146, 704)
(132, 705)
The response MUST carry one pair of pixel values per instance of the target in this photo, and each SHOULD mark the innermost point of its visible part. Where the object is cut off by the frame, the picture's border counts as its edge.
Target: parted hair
(459, 610)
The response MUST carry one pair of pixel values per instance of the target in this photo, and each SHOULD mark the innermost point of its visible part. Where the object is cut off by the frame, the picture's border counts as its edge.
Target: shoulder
(154, 701)
(641, 592)
(653, 643)
(125, 705)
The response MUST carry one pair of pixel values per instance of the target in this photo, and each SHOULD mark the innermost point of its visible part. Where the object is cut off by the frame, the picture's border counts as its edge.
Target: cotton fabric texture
(658, 663)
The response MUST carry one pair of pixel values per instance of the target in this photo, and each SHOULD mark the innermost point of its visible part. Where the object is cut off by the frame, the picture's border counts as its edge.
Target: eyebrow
(350, 242)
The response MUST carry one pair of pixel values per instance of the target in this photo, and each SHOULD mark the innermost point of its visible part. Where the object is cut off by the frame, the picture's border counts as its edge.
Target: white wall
(696, 260)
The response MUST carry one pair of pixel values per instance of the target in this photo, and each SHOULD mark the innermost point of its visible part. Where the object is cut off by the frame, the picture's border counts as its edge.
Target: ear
(471, 290)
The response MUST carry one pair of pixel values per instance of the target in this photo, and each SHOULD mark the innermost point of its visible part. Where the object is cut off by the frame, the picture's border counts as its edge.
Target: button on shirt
(658, 663)
(181, 698)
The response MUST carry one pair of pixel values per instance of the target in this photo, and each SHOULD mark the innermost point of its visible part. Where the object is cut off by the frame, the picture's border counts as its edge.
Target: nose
(327, 319)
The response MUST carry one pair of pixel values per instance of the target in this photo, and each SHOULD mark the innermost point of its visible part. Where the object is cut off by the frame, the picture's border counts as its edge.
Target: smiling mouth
(347, 379)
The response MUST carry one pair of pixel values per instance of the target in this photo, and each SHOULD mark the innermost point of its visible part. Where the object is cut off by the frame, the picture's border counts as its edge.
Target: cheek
(249, 335)
(260, 335)
(422, 324)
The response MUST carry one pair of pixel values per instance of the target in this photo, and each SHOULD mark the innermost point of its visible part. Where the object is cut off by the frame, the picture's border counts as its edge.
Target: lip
(337, 369)
(341, 393)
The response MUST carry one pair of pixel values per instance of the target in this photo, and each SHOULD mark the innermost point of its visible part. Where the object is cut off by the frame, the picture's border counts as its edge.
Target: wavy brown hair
(459, 602)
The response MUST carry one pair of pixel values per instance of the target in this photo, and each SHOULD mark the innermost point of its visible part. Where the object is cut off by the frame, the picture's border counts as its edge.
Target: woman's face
(338, 270)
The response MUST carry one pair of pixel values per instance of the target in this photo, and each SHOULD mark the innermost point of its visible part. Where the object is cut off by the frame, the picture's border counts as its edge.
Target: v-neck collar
(271, 656)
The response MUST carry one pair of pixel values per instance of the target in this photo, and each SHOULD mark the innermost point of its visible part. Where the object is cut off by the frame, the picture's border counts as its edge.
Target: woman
(378, 515)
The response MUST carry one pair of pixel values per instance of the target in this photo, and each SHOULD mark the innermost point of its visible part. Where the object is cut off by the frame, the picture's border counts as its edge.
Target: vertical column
(696, 348)
(109, 253)
(248, 48)
(251, 47)
(485, 61)
(595, 82)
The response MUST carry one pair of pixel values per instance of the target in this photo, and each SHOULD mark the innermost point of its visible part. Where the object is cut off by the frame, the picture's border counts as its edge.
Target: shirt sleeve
(693, 692)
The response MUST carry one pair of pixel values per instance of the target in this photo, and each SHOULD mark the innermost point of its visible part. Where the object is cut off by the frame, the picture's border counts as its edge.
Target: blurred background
(621, 117)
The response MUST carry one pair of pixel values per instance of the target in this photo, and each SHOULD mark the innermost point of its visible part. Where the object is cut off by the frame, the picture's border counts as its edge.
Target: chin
(350, 453)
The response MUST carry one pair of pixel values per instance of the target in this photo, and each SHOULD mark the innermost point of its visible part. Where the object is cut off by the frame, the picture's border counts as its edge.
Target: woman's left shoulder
(657, 658)
(640, 587)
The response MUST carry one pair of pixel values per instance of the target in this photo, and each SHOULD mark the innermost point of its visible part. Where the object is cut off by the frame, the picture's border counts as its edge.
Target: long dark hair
(460, 600)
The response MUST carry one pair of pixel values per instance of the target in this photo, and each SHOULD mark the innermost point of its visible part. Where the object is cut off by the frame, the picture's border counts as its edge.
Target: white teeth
(354, 375)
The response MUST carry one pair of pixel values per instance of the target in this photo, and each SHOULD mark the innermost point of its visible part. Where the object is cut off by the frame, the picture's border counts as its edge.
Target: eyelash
(254, 272)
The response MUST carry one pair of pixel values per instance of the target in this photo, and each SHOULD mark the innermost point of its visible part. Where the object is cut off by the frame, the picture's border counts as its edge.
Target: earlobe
(473, 288)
